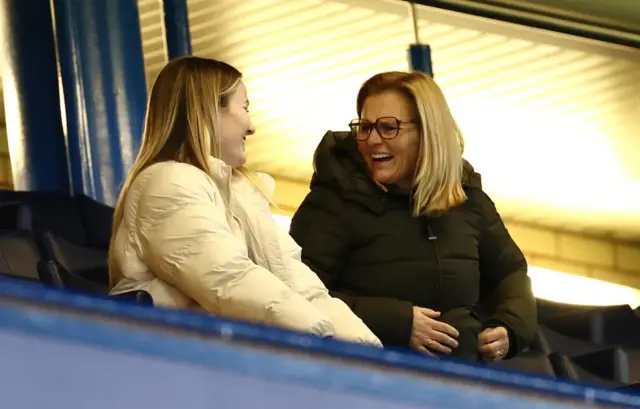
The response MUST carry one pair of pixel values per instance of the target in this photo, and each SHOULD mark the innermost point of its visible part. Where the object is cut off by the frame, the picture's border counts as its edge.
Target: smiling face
(235, 126)
(390, 161)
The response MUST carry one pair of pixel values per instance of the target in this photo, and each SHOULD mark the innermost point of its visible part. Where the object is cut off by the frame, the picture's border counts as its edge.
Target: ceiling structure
(620, 12)
(551, 121)
(615, 21)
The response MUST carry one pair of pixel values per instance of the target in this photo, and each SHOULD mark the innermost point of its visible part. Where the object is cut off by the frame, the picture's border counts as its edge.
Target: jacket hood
(339, 165)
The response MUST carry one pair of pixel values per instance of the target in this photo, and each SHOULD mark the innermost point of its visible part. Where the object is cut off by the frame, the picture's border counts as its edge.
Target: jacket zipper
(433, 238)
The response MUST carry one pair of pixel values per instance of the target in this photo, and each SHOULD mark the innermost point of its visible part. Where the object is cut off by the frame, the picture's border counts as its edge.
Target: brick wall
(596, 257)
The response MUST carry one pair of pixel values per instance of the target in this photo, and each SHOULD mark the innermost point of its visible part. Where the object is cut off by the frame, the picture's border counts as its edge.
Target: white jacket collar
(221, 174)
(220, 171)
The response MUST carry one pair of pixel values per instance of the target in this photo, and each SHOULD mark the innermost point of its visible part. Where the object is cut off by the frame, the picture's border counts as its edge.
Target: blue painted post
(32, 97)
(420, 58)
(102, 66)
(419, 54)
(176, 28)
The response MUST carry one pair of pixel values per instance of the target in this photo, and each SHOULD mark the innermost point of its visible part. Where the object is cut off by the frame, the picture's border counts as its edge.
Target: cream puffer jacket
(209, 241)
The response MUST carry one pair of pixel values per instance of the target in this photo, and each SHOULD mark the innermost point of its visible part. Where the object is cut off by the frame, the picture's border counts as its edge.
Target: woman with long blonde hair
(193, 228)
(397, 225)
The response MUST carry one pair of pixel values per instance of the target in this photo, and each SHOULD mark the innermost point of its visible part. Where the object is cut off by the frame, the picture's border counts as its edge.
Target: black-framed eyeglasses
(388, 127)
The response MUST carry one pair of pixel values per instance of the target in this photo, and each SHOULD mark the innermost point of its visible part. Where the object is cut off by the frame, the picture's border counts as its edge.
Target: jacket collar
(221, 174)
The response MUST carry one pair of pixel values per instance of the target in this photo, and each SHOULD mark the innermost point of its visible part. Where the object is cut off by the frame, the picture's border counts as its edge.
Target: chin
(383, 178)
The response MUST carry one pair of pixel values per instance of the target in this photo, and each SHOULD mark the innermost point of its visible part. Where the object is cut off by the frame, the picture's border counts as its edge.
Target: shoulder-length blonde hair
(437, 181)
(181, 123)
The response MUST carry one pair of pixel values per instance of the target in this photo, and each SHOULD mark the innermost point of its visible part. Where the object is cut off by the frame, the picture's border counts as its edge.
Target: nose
(251, 130)
(374, 137)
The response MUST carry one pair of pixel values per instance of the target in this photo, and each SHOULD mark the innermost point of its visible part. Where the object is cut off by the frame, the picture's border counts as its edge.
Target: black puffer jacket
(372, 253)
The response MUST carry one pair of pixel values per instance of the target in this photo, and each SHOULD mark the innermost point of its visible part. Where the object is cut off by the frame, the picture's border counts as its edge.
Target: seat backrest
(74, 258)
(618, 326)
(15, 215)
(527, 361)
(603, 325)
(52, 273)
(19, 254)
(609, 363)
(566, 368)
(549, 341)
(56, 213)
(634, 365)
(551, 310)
(96, 219)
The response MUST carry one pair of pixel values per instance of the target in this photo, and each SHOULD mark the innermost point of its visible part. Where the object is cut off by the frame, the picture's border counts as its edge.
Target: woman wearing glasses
(397, 225)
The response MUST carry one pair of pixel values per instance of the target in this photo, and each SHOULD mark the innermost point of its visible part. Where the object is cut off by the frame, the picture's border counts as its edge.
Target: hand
(493, 343)
(429, 335)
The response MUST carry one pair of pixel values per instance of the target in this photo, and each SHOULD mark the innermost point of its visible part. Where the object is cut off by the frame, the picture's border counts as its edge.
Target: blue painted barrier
(221, 361)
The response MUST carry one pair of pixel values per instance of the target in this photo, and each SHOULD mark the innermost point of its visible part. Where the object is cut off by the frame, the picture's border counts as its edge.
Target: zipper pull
(431, 235)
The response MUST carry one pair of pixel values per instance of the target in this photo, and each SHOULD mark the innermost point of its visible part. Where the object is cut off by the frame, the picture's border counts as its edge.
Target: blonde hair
(437, 181)
(181, 124)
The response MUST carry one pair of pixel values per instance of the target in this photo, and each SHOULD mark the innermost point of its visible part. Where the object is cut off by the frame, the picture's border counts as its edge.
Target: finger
(444, 339)
(436, 346)
(493, 356)
(488, 335)
(493, 348)
(445, 328)
(430, 313)
(424, 350)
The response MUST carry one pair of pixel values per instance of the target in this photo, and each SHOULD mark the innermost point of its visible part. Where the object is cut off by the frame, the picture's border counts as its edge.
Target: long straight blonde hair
(181, 124)
(437, 181)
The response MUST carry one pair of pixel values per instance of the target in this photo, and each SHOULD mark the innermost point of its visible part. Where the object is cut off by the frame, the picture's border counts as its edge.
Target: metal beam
(526, 16)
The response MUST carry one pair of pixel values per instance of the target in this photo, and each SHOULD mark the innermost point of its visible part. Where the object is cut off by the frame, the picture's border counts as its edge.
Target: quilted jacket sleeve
(347, 325)
(186, 240)
(505, 285)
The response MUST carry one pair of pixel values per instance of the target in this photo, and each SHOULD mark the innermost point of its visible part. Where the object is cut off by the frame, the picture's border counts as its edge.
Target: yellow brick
(631, 280)
(558, 266)
(533, 240)
(616, 277)
(628, 257)
(585, 250)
